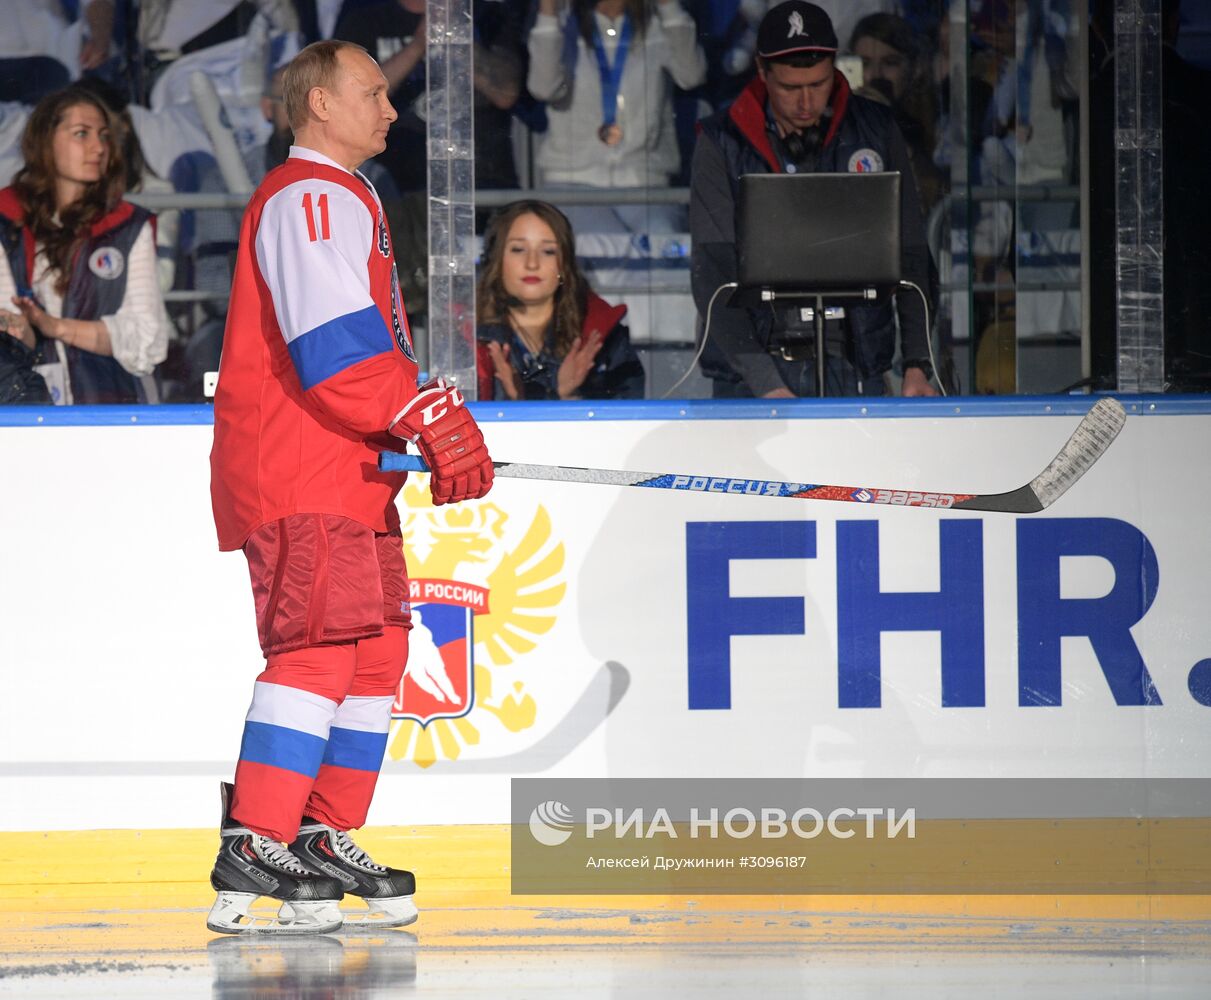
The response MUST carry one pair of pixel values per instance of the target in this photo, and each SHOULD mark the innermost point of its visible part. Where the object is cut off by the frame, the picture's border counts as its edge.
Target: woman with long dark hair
(543, 333)
(78, 262)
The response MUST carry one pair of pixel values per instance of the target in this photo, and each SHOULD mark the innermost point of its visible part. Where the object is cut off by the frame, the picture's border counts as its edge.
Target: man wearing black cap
(800, 115)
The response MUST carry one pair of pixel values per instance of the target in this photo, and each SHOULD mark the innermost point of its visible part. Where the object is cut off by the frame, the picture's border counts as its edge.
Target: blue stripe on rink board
(355, 749)
(338, 344)
(280, 747)
(667, 410)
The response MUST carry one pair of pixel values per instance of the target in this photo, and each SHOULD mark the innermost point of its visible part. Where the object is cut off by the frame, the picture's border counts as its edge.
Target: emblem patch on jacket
(865, 161)
(107, 262)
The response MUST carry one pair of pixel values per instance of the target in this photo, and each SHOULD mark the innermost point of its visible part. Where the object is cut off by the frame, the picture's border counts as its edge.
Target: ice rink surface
(71, 927)
(333, 969)
(511, 953)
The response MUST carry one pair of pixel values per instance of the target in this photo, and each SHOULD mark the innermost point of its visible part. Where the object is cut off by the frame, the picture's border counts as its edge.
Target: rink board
(623, 632)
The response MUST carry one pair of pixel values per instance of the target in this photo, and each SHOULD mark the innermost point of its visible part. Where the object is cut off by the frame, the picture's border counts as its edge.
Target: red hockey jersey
(317, 355)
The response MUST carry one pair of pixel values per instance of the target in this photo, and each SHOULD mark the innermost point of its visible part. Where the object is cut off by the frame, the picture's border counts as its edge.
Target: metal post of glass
(1138, 160)
(959, 227)
(450, 90)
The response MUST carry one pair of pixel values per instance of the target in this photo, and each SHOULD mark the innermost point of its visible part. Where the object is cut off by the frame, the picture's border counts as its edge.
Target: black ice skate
(387, 891)
(250, 866)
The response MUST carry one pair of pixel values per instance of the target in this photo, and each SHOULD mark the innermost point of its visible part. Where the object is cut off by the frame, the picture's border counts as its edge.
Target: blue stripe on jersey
(355, 749)
(281, 747)
(338, 344)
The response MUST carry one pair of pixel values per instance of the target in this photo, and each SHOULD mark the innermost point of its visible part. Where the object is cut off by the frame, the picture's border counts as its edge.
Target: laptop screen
(819, 232)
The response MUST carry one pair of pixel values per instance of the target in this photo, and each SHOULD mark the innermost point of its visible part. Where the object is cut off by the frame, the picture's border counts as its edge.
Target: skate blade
(231, 914)
(379, 913)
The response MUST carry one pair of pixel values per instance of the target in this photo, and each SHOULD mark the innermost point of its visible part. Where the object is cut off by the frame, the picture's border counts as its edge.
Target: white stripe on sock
(291, 708)
(366, 715)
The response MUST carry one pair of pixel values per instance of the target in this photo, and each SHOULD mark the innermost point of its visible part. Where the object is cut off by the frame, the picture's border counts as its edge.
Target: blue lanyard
(611, 76)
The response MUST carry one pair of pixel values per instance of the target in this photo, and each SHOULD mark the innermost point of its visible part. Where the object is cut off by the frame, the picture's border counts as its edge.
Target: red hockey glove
(450, 442)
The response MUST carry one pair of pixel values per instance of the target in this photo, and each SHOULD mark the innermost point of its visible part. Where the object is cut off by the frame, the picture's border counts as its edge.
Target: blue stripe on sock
(355, 749)
(280, 747)
(338, 344)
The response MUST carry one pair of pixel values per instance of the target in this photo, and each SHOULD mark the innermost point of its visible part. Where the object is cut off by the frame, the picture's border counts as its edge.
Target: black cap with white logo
(795, 26)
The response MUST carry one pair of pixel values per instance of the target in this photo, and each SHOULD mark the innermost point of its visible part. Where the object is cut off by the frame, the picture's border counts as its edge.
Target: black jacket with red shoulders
(96, 289)
(617, 373)
(861, 135)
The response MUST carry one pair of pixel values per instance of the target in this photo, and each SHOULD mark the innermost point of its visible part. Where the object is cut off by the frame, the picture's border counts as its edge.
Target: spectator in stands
(169, 29)
(845, 14)
(978, 93)
(139, 175)
(981, 231)
(800, 116)
(1031, 121)
(79, 263)
(606, 69)
(41, 51)
(727, 32)
(896, 69)
(393, 32)
(317, 18)
(499, 61)
(543, 333)
(13, 117)
(277, 146)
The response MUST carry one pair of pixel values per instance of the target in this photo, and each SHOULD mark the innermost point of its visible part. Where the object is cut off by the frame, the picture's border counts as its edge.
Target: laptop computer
(819, 232)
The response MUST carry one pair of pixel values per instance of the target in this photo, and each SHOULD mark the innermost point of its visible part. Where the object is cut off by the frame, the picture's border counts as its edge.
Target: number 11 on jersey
(309, 211)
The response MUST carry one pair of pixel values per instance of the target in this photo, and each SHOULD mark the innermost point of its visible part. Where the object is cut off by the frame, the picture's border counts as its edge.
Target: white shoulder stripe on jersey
(312, 245)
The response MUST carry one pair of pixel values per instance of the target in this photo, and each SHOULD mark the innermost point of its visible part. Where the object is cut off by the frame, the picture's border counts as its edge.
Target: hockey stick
(1097, 429)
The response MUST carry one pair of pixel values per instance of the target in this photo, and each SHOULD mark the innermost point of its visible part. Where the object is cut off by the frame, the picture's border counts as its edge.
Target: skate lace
(279, 856)
(351, 852)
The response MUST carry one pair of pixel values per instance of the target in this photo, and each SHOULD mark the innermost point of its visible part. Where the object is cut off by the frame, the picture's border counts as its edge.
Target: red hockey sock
(286, 735)
(341, 794)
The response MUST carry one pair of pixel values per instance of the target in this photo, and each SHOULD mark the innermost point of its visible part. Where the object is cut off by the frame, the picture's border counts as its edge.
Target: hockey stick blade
(1097, 429)
(1093, 435)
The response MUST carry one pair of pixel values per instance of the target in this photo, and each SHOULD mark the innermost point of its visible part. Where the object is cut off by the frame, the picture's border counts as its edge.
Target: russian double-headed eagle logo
(485, 587)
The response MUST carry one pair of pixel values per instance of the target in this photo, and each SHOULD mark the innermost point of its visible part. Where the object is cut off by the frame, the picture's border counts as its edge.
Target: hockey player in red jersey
(317, 377)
